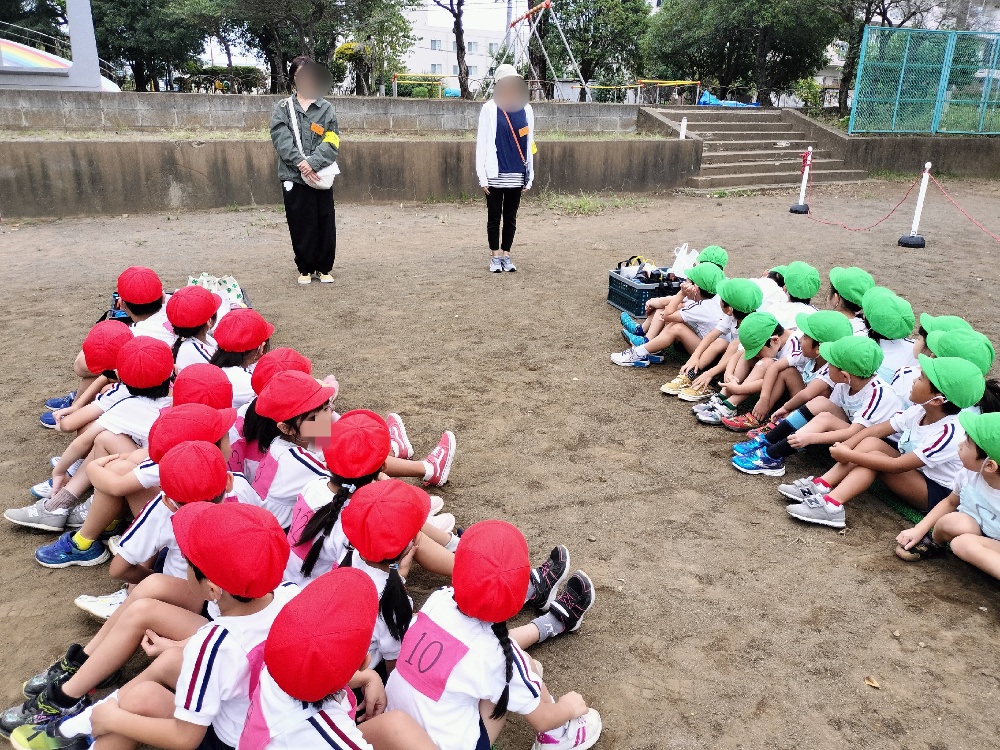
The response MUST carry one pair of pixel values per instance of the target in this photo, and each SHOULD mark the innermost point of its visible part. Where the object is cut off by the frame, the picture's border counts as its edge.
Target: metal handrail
(51, 44)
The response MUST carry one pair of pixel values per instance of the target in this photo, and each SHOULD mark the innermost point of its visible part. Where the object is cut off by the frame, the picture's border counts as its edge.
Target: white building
(435, 52)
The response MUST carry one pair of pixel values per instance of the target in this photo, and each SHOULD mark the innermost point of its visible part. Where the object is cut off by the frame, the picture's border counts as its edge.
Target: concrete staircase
(750, 148)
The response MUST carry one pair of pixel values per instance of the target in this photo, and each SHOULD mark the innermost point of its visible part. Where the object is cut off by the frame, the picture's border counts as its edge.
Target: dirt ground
(720, 623)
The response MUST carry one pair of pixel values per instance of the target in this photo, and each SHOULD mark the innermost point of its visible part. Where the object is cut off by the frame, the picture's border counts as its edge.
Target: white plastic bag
(226, 287)
(684, 260)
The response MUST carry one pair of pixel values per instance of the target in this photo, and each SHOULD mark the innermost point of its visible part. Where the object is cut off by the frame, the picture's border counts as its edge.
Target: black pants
(312, 224)
(502, 203)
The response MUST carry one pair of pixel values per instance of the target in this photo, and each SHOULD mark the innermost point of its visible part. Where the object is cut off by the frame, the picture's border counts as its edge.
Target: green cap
(984, 429)
(756, 330)
(957, 379)
(778, 269)
(714, 254)
(801, 280)
(967, 344)
(887, 313)
(707, 277)
(943, 323)
(741, 294)
(855, 355)
(824, 325)
(851, 283)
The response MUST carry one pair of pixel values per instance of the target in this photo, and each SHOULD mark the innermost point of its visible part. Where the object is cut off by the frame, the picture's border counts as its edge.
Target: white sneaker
(115, 545)
(42, 490)
(716, 400)
(102, 607)
(716, 414)
(630, 358)
(580, 734)
(305, 279)
(443, 522)
(325, 278)
(36, 516)
(437, 504)
(78, 514)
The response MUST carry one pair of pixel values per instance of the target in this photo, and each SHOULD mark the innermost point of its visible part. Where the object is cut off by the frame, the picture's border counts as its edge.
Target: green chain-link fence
(919, 81)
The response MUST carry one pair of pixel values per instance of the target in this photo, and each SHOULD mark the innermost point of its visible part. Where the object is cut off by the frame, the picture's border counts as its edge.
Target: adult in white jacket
(505, 147)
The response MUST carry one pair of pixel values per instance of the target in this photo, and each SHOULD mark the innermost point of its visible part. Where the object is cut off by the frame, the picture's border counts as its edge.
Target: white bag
(684, 260)
(327, 174)
(227, 287)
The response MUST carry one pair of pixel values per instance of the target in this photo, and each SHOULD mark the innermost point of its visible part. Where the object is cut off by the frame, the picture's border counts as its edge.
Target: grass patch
(588, 204)
(737, 193)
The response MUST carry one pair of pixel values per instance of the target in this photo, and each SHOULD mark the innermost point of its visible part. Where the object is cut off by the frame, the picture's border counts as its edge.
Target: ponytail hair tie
(351, 488)
(394, 566)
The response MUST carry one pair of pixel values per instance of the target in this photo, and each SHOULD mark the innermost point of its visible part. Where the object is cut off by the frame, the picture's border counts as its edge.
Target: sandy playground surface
(720, 622)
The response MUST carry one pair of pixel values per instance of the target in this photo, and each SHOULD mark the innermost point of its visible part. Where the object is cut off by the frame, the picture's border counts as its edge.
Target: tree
(457, 10)
(47, 17)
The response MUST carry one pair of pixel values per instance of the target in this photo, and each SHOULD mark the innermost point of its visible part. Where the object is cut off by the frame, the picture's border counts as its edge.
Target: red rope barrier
(870, 226)
(963, 211)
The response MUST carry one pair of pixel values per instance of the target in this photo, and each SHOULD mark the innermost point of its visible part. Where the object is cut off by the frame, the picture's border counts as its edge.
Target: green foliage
(810, 93)
(420, 92)
(44, 16)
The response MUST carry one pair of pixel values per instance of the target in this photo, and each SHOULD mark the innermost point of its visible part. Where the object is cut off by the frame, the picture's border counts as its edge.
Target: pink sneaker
(401, 447)
(581, 734)
(439, 460)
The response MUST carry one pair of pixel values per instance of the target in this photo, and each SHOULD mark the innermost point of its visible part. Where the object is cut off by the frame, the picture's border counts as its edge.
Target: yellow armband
(534, 148)
(333, 138)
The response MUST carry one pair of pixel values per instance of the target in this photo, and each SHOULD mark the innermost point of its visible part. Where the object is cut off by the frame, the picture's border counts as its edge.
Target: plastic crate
(631, 296)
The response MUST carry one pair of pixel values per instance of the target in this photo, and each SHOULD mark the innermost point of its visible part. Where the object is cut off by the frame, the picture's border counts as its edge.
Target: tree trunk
(761, 77)
(229, 52)
(463, 67)
(139, 73)
(536, 59)
(850, 69)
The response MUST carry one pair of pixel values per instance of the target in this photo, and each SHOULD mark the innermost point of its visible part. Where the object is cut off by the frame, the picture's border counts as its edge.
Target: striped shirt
(507, 180)
(935, 444)
(873, 404)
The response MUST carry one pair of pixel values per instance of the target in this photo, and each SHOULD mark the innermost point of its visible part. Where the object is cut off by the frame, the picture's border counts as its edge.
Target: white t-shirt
(729, 327)
(902, 383)
(785, 312)
(133, 416)
(240, 378)
(214, 685)
(151, 532)
(448, 663)
(156, 326)
(873, 404)
(858, 324)
(791, 349)
(314, 496)
(897, 354)
(383, 646)
(773, 294)
(979, 500)
(936, 444)
(194, 352)
(702, 315)
(243, 491)
(283, 474)
(148, 473)
(823, 374)
(110, 397)
(805, 365)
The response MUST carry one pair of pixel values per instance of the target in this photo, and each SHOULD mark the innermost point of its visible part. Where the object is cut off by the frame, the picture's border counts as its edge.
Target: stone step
(720, 114)
(763, 154)
(747, 135)
(797, 145)
(769, 167)
(755, 179)
(716, 126)
(789, 188)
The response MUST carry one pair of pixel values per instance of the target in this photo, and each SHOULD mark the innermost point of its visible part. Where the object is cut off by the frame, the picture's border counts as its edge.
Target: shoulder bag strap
(517, 142)
(293, 118)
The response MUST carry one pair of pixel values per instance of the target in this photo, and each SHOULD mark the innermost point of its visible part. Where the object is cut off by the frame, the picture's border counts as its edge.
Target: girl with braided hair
(460, 670)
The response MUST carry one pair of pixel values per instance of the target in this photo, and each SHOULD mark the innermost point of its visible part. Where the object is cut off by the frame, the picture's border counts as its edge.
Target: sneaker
(440, 460)
(579, 734)
(42, 490)
(36, 710)
(115, 545)
(102, 607)
(817, 510)
(695, 394)
(631, 325)
(760, 463)
(678, 384)
(716, 414)
(398, 437)
(47, 736)
(61, 402)
(325, 278)
(56, 674)
(496, 265)
(444, 522)
(742, 423)
(574, 602)
(78, 514)
(634, 339)
(48, 420)
(749, 446)
(630, 358)
(507, 264)
(548, 577)
(762, 430)
(62, 553)
(437, 504)
(800, 490)
(305, 279)
(716, 400)
(37, 517)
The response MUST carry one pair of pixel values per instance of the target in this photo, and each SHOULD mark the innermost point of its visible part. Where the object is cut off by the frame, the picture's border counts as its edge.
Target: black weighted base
(799, 208)
(915, 241)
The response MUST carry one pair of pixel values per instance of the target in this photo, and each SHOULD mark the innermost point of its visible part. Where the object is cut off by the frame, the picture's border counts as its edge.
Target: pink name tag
(300, 517)
(428, 656)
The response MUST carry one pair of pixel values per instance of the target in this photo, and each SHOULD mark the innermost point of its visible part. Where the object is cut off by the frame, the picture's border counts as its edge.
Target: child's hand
(908, 537)
(840, 453)
(154, 644)
(407, 560)
(375, 698)
(702, 381)
(759, 413)
(58, 480)
(102, 717)
(102, 462)
(779, 413)
(575, 703)
(800, 441)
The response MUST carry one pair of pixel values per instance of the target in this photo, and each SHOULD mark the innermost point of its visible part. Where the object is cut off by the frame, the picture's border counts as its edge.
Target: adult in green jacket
(309, 209)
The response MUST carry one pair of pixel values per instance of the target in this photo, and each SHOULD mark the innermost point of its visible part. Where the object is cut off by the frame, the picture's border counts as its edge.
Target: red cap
(383, 517)
(145, 362)
(102, 344)
(193, 471)
(179, 424)
(139, 285)
(240, 548)
(359, 444)
(192, 307)
(491, 571)
(321, 637)
(203, 384)
(275, 361)
(242, 330)
(291, 393)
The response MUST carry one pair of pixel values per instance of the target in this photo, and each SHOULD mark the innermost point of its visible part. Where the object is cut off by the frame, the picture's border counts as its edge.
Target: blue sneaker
(61, 402)
(749, 446)
(634, 339)
(631, 325)
(630, 358)
(48, 420)
(760, 463)
(42, 490)
(62, 553)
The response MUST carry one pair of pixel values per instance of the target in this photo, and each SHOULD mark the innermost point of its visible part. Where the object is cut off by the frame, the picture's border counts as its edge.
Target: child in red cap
(192, 311)
(203, 384)
(235, 554)
(460, 671)
(243, 337)
(191, 473)
(313, 655)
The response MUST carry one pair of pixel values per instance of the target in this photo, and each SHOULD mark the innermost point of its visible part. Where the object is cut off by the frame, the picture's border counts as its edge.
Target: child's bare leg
(401, 467)
(955, 524)
(980, 551)
(114, 742)
(823, 405)
(525, 636)
(788, 381)
(493, 726)
(396, 730)
(104, 510)
(666, 337)
(755, 376)
(432, 556)
(139, 500)
(715, 350)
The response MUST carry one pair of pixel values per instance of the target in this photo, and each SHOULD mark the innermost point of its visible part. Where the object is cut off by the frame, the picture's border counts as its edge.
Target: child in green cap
(847, 291)
(859, 399)
(969, 518)
(800, 282)
(920, 469)
(890, 321)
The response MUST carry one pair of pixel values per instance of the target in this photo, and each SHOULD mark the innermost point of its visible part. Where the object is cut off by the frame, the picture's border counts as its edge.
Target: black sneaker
(37, 710)
(47, 737)
(58, 673)
(575, 601)
(548, 577)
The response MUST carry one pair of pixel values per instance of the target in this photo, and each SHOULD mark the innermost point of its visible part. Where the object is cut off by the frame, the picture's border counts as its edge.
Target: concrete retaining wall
(53, 110)
(70, 178)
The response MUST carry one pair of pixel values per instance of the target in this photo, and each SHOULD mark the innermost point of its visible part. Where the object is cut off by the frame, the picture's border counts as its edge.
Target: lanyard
(517, 141)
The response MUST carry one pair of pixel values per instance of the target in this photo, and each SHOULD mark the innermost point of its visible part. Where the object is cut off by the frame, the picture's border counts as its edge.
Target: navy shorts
(484, 737)
(935, 492)
(212, 742)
